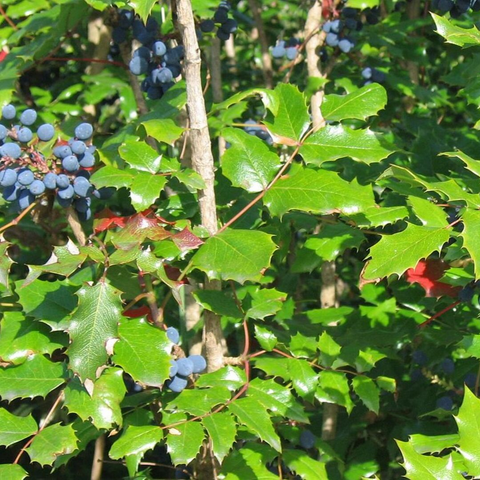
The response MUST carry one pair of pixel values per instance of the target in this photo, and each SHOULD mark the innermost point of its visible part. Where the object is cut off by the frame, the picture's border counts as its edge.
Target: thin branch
(7, 18)
(97, 463)
(16, 220)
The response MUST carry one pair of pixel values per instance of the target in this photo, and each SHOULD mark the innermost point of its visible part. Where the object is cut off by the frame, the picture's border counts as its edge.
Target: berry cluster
(182, 368)
(288, 49)
(226, 25)
(25, 173)
(339, 31)
(160, 64)
(456, 8)
(373, 75)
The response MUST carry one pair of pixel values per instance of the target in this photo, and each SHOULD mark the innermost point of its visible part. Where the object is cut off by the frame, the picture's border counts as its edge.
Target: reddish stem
(441, 312)
(7, 18)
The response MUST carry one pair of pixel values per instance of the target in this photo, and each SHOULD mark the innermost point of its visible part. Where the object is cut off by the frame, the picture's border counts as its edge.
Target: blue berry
(86, 160)
(307, 439)
(62, 151)
(11, 193)
(25, 177)
(82, 187)
(84, 131)
(446, 403)
(66, 193)
(173, 368)
(159, 48)
(50, 180)
(138, 65)
(291, 53)
(62, 181)
(119, 35)
(177, 383)
(173, 335)
(78, 147)
(28, 117)
(8, 177)
(419, 357)
(85, 216)
(448, 366)
(82, 205)
(207, 26)
(199, 363)
(105, 193)
(37, 187)
(24, 135)
(185, 367)
(45, 132)
(25, 199)
(70, 163)
(3, 132)
(11, 150)
(9, 112)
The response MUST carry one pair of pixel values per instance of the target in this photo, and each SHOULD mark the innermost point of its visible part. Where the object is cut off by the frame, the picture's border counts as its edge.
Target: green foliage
(355, 197)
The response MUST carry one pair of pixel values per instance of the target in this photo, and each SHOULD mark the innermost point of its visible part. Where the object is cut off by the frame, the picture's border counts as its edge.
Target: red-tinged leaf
(186, 240)
(173, 273)
(139, 312)
(427, 273)
(107, 219)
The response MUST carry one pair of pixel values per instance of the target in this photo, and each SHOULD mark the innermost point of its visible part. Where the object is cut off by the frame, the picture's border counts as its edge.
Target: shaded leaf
(255, 417)
(333, 388)
(471, 240)
(218, 302)
(222, 430)
(368, 392)
(51, 442)
(304, 466)
(12, 472)
(14, 428)
(199, 401)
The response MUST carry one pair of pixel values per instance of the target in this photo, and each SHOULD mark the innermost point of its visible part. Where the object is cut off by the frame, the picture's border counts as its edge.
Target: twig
(76, 226)
(16, 220)
(7, 18)
(97, 463)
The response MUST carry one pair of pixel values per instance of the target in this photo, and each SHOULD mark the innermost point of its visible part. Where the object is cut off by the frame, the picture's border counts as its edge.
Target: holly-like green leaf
(360, 104)
(112, 177)
(470, 163)
(256, 418)
(102, 406)
(250, 461)
(230, 377)
(321, 192)
(218, 302)
(14, 428)
(265, 338)
(136, 440)
(430, 214)
(265, 302)
(329, 349)
(471, 240)
(22, 337)
(12, 472)
(303, 377)
(5, 263)
(291, 120)
(333, 388)
(49, 302)
(432, 444)
(140, 156)
(143, 351)
(379, 217)
(277, 398)
(51, 442)
(37, 376)
(332, 241)
(143, 8)
(163, 130)
(248, 163)
(239, 255)
(421, 467)
(64, 260)
(471, 345)
(145, 189)
(184, 441)
(468, 422)
(463, 37)
(93, 324)
(269, 99)
(337, 141)
(299, 462)
(199, 401)
(396, 253)
(368, 392)
(222, 430)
